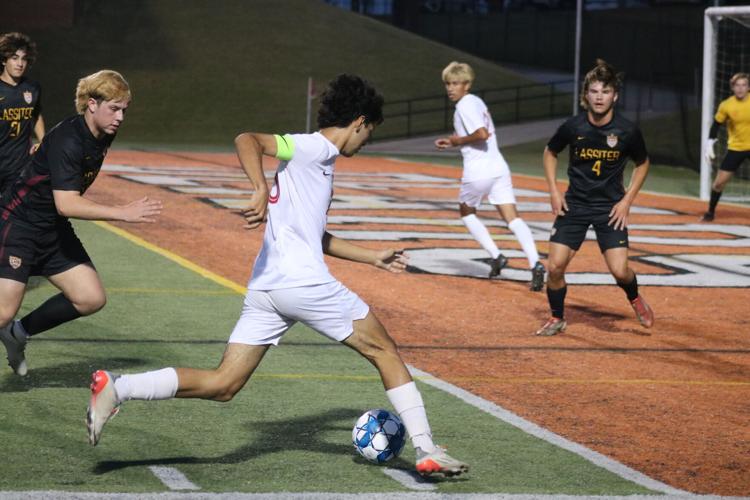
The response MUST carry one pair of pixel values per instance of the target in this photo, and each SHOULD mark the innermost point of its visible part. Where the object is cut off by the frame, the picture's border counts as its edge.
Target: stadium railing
(434, 114)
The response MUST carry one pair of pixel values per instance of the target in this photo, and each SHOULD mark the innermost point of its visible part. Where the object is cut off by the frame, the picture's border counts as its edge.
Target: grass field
(288, 431)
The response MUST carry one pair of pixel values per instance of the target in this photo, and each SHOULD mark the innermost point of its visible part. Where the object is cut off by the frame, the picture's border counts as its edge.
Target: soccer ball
(378, 435)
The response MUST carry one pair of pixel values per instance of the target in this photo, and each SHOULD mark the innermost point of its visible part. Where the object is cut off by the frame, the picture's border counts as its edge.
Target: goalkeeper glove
(710, 154)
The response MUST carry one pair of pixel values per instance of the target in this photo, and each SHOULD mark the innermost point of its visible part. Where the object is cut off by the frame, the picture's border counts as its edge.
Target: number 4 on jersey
(597, 168)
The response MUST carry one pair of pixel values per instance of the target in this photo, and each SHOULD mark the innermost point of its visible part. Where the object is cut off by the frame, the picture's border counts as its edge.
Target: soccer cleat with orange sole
(553, 326)
(438, 462)
(103, 404)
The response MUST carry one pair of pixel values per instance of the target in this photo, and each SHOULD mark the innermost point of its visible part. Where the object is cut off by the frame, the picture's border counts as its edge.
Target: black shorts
(733, 160)
(27, 251)
(570, 229)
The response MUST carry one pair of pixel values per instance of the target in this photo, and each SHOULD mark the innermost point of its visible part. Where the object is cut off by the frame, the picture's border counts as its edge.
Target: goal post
(726, 50)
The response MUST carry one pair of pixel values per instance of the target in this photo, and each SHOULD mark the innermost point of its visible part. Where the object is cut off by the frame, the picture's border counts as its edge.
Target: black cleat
(497, 265)
(707, 217)
(537, 277)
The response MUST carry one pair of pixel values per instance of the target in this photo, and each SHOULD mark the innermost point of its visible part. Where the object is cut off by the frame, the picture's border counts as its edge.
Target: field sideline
(384, 203)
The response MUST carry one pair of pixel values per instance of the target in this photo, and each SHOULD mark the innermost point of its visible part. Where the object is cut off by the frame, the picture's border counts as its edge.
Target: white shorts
(330, 309)
(498, 190)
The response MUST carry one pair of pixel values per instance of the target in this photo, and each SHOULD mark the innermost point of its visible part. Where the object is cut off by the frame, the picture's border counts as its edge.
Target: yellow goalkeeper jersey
(736, 114)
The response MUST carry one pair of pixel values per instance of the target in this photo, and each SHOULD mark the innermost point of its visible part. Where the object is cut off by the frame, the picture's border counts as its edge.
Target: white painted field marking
(172, 478)
(532, 429)
(410, 480)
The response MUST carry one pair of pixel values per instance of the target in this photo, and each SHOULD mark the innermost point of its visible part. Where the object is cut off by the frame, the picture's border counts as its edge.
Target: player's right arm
(719, 119)
(250, 150)
(480, 134)
(556, 200)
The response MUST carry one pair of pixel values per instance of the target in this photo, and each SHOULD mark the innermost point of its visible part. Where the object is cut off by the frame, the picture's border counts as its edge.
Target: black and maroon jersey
(598, 156)
(20, 106)
(69, 159)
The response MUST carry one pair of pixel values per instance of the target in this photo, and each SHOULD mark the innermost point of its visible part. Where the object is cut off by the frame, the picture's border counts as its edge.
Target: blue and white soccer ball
(379, 435)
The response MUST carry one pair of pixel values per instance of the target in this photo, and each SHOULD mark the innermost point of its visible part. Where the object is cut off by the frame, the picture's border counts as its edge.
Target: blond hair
(738, 76)
(458, 71)
(104, 85)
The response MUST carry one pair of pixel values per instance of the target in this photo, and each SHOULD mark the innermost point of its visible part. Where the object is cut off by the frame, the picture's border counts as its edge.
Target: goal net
(726, 51)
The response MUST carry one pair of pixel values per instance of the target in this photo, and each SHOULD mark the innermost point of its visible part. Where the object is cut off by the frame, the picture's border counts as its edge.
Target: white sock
(526, 239)
(18, 331)
(480, 233)
(407, 401)
(159, 384)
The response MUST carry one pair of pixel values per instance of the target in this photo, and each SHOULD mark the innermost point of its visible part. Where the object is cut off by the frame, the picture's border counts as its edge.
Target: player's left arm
(618, 216)
(39, 132)
(389, 259)
(250, 150)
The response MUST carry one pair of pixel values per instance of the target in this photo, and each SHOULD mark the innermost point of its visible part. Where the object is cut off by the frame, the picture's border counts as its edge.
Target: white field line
(487, 406)
(73, 495)
(592, 456)
(409, 480)
(172, 478)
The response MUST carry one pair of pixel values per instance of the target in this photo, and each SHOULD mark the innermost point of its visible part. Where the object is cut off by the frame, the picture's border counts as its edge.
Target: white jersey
(292, 253)
(482, 159)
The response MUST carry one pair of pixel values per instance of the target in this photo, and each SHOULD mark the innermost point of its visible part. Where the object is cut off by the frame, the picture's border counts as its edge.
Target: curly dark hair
(347, 98)
(14, 41)
(606, 74)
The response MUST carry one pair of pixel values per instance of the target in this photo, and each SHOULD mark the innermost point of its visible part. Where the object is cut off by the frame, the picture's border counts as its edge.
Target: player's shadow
(71, 375)
(603, 319)
(302, 433)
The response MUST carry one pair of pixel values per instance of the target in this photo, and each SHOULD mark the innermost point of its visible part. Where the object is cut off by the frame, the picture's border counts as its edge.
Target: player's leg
(617, 262)
(371, 340)
(260, 325)
(613, 244)
(338, 313)
(558, 259)
(526, 239)
(502, 197)
(568, 232)
(109, 391)
(470, 197)
(65, 263)
(729, 165)
(19, 247)
(11, 296)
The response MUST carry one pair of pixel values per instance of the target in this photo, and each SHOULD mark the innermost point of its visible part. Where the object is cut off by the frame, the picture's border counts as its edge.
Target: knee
(6, 316)
(224, 391)
(622, 275)
(90, 304)
(555, 271)
(377, 350)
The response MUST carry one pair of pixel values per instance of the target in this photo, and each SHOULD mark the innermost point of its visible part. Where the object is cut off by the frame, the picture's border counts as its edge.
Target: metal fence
(433, 114)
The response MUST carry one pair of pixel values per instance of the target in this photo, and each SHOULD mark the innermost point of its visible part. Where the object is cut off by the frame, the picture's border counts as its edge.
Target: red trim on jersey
(18, 199)
(5, 236)
(274, 198)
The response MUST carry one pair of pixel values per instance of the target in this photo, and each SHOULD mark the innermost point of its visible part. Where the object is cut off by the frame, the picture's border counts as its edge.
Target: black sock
(556, 300)
(715, 195)
(631, 289)
(56, 311)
